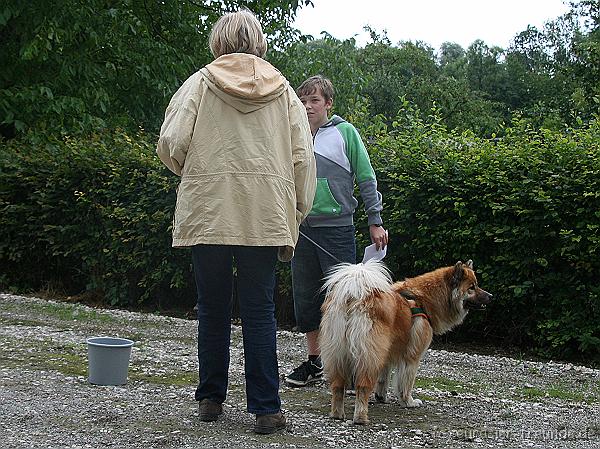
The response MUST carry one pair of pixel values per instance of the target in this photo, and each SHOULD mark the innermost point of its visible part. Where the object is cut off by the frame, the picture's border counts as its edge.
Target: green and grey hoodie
(342, 158)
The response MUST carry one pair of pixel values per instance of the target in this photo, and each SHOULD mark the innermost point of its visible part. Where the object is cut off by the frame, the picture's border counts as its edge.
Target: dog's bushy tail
(345, 326)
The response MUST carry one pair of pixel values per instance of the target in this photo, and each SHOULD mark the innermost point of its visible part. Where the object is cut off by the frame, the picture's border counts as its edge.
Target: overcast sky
(431, 21)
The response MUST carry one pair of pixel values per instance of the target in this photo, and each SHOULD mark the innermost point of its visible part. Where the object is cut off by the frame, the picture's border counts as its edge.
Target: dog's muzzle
(479, 301)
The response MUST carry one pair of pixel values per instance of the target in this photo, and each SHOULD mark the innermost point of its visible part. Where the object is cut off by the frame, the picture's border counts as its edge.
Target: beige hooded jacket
(239, 137)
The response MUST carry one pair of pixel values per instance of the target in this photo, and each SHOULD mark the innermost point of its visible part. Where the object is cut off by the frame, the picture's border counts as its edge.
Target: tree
(552, 73)
(586, 48)
(451, 55)
(75, 65)
(395, 73)
(330, 57)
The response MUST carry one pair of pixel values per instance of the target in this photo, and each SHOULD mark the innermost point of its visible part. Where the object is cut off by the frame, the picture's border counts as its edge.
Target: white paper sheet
(372, 253)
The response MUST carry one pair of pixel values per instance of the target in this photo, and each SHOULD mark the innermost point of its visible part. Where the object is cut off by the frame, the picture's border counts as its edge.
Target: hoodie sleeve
(363, 170)
(178, 126)
(305, 169)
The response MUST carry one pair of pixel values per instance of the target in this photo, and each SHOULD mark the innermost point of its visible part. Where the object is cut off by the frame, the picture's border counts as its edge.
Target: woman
(238, 136)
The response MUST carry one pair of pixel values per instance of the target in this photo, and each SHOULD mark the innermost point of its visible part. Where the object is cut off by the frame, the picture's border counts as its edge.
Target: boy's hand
(378, 236)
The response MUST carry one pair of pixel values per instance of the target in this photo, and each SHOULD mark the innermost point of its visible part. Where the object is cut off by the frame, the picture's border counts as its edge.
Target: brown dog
(371, 326)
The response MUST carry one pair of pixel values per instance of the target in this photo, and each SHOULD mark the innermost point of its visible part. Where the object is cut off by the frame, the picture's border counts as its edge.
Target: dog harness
(416, 311)
(419, 311)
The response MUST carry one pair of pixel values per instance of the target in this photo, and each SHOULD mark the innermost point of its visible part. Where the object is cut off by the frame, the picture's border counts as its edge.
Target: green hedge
(95, 214)
(90, 214)
(525, 208)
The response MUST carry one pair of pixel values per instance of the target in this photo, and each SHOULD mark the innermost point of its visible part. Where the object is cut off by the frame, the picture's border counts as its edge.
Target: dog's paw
(414, 403)
(340, 416)
(361, 421)
(410, 403)
(382, 399)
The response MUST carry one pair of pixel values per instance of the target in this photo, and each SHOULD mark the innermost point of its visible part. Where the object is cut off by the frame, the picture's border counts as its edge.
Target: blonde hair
(237, 32)
(313, 83)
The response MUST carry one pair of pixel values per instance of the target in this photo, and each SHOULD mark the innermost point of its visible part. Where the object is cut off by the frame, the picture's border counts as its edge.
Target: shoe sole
(209, 418)
(262, 430)
(299, 383)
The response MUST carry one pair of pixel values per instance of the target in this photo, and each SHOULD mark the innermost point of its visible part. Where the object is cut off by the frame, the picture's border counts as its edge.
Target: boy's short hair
(313, 83)
(237, 32)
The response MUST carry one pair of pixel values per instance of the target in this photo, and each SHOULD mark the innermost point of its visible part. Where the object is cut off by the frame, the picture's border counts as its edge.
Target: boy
(341, 159)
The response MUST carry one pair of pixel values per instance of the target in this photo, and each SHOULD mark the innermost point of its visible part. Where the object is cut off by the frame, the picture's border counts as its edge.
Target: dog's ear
(457, 274)
(469, 264)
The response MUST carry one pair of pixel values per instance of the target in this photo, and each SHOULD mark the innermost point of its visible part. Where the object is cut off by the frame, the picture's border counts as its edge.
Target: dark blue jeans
(255, 271)
(309, 266)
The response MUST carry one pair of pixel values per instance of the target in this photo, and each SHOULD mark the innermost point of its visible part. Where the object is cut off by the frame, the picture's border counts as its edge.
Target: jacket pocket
(325, 203)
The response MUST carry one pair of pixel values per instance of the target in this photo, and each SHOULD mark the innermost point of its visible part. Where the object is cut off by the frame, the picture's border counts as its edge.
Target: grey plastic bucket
(108, 360)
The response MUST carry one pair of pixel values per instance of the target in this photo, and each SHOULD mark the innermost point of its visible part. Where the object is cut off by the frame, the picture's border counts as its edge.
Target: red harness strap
(415, 313)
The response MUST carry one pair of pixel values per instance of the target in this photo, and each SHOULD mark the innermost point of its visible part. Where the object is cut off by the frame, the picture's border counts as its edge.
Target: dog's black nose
(486, 297)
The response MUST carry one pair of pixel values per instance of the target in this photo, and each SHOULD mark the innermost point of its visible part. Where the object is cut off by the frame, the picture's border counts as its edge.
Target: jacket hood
(333, 121)
(245, 82)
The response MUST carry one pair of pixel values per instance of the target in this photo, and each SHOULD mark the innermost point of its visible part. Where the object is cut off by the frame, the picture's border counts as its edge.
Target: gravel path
(470, 401)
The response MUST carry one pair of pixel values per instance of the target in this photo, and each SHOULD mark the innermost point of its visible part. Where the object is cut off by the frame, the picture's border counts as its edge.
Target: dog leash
(320, 247)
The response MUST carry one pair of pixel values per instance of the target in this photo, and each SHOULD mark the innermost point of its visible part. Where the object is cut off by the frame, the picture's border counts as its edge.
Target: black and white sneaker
(308, 372)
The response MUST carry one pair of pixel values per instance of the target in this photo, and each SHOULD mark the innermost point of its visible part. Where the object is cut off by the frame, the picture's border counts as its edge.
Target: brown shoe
(209, 410)
(266, 424)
